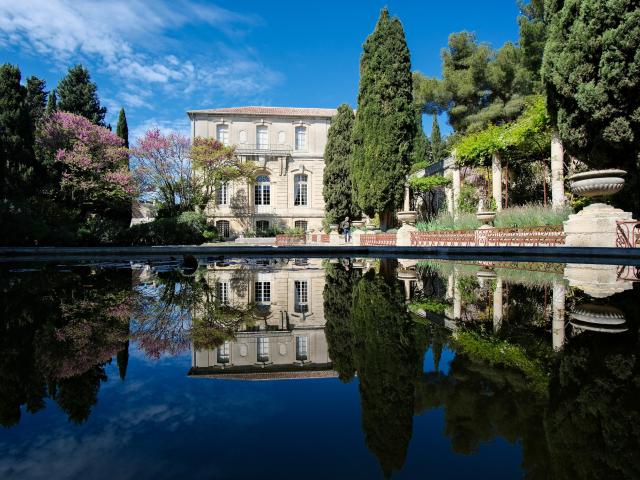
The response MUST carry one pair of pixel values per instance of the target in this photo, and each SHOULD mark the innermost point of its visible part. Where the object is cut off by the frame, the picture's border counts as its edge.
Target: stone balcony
(263, 150)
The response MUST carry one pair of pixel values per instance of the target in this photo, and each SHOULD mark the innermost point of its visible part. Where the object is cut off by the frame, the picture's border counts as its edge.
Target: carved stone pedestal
(599, 281)
(594, 226)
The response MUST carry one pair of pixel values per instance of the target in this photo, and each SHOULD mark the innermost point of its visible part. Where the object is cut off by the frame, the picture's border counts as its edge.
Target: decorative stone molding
(598, 318)
(597, 183)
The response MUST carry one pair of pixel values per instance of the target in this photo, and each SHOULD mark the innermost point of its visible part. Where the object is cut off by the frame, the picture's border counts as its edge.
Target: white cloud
(130, 41)
(180, 125)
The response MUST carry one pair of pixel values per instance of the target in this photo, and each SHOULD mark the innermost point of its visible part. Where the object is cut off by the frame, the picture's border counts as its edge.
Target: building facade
(287, 340)
(288, 145)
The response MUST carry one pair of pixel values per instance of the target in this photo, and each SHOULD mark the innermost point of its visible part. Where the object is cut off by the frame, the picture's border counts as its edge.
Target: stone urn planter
(596, 224)
(407, 217)
(334, 228)
(598, 318)
(359, 224)
(597, 183)
(407, 274)
(486, 217)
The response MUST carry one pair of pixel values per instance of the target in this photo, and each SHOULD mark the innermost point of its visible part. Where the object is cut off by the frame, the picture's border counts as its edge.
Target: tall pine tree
(385, 124)
(438, 151)
(52, 103)
(122, 130)
(337, 188)
(36, 99)
(78, 94)
(590, 70)
(123, 210)
(16, 136)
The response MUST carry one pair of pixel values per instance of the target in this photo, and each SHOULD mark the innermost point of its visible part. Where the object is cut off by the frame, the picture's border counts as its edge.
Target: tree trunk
(386, 220)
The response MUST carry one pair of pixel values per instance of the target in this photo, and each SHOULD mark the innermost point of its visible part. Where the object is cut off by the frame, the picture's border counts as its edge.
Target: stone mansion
(288, 144)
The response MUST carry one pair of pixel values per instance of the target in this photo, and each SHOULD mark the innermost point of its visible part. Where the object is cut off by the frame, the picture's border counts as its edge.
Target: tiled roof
(272, 111)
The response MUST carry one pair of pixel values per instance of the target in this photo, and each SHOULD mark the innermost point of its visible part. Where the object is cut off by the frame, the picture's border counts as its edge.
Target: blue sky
(160, 58)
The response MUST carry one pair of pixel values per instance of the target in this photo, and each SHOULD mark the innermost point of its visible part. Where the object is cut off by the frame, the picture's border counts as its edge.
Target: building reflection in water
(287, 340)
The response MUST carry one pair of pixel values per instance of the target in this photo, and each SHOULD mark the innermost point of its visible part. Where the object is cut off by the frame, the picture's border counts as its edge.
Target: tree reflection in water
(60, 330)
(583, 423)
(582, 420)
(378, 342)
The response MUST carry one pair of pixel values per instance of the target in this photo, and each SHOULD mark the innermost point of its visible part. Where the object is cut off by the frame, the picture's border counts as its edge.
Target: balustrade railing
(291, 240)
(525, 236)
(629, 273)
(443, 238)
(628, 234)
(378, 239)
(521, 237)
(318, 237)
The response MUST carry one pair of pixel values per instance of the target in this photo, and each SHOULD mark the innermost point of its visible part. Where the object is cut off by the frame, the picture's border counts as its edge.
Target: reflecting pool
(319, 368)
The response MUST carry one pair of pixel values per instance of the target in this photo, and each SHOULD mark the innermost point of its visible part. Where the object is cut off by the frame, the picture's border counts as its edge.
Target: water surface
(319, 368)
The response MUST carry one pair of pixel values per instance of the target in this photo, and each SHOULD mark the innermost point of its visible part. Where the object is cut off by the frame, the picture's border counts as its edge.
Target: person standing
(346, 229)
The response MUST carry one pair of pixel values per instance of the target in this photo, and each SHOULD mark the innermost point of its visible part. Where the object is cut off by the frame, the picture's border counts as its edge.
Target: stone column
(449, 293)
(497, 305)
(448, 193)
(496, 180)
(455, 187)
(407, 199)
(457, 299)
(557, 172)
(557, 322)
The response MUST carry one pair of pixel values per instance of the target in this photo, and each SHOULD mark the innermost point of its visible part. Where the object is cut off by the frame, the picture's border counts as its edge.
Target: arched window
(300, 197)
(222, 194)
(262, 137)
(262, 190)
(301, 138)
(222, 134)
(223, 228)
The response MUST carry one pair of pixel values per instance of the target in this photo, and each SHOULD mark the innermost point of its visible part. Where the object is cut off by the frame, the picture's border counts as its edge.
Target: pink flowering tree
(91, 161)
(183, 175)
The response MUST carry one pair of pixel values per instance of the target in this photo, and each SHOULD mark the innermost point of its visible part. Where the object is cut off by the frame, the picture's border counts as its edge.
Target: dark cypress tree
(36, 99)
(437, 145)
(590, 70)
(52, 103)
(78, 94)
(421, 145)
(337, 190)
(385, 124)
(122, 359)
(122, 130)
(337, 296)
(16, 136)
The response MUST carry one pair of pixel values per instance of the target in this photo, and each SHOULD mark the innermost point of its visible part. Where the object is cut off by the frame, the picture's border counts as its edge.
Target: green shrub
(428, 305)
(468, 199)
(98, 230)
(522, 216)
(187, 228)
(500, 352)
(272, 231)
(446, 221)
(294, 231)
(533, 215)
